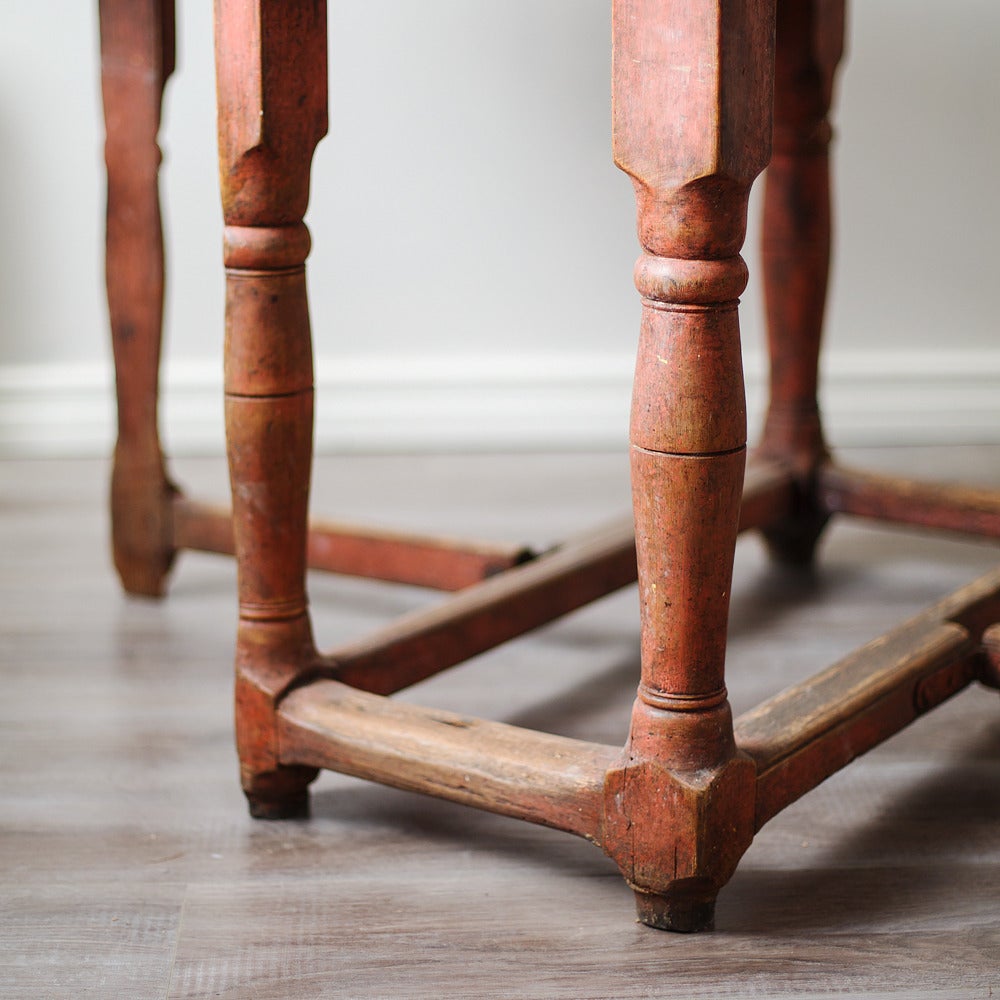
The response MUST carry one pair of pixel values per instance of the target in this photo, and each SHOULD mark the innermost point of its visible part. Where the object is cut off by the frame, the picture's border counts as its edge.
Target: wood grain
(509, 770)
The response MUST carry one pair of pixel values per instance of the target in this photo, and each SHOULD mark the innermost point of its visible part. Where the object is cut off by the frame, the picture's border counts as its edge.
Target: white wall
(469, 147)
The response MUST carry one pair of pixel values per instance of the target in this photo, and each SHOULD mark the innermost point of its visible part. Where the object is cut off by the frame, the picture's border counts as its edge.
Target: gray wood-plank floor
(131, 869)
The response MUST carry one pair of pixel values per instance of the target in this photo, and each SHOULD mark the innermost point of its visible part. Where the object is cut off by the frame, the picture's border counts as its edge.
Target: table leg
(692, 127)
(137, 56)
(796, 255)
(271, 68)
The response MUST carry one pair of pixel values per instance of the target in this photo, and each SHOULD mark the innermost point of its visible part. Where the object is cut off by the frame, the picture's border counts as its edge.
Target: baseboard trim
(535, 403)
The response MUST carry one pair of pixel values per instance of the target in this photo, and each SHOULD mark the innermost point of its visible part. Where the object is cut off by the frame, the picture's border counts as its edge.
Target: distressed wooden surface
(442, 562)
(129, 868)
(796, 225)
(414, 647)
(692, 128)
(692, 88)
(137, 58)
(795, 253)
(505, 769)
(942, 507)
(271, 88)
(809, 731)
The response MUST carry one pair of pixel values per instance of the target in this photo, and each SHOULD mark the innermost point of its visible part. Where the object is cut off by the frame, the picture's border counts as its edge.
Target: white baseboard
(538, 403)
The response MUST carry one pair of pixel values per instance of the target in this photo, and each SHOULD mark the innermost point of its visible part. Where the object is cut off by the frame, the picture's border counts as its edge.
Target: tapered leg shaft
(796, 253)
(137, 56)
(692, 127)
(271, 69)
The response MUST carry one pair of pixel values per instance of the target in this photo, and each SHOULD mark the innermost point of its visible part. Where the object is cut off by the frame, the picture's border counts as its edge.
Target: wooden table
(707, 93)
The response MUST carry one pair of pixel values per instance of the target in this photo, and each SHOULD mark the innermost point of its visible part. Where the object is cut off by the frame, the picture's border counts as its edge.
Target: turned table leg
(271, 67)
(796, 254)
(692, 127)
(137, 56)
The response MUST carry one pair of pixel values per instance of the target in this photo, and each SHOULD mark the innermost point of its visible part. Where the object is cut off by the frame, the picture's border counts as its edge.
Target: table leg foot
(280, 794)
(794, 543)
(687, 906)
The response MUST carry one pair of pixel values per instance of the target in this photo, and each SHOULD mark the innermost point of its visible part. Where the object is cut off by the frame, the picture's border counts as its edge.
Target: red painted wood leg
(796, 255)
(271, 70)
(692, 128)
(137, 56)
